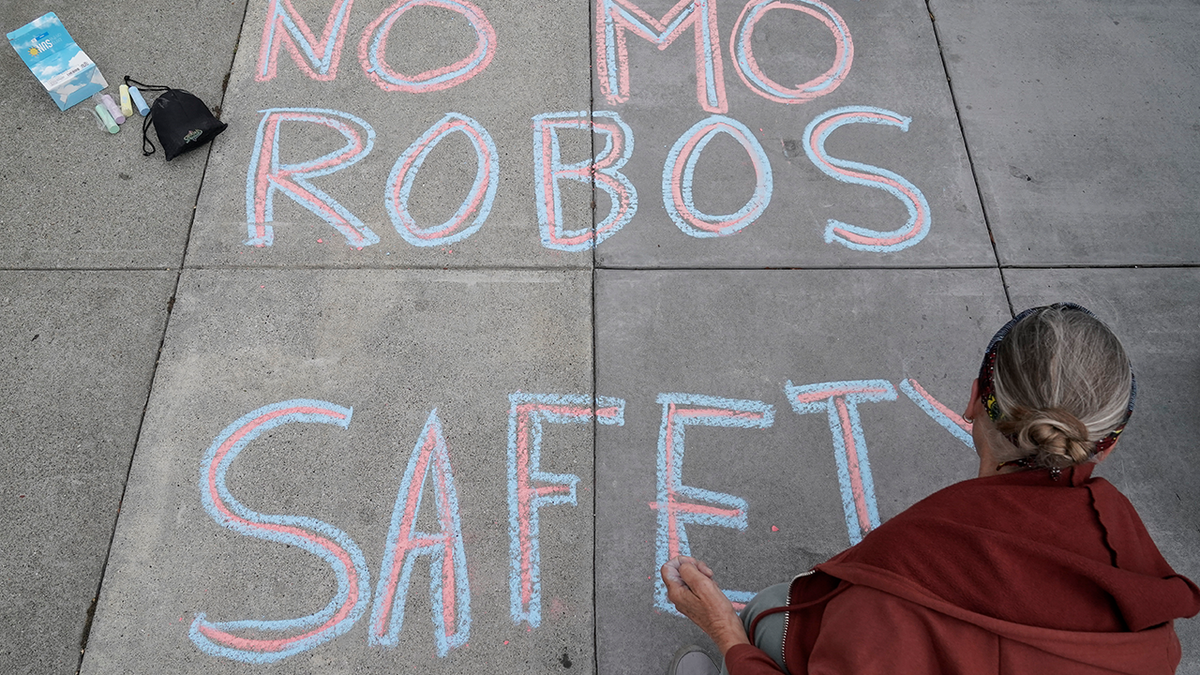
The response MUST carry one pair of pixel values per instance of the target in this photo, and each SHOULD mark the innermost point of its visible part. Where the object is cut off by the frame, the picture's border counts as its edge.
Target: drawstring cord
(149, 117)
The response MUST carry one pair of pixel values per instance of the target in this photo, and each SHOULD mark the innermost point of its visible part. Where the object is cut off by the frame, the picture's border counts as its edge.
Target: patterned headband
(987, 385)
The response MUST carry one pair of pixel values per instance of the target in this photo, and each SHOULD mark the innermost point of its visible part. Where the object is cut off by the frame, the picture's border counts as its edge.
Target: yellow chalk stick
(126, 103)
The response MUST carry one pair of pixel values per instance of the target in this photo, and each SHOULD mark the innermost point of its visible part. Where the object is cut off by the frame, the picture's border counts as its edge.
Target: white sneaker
(691, 660)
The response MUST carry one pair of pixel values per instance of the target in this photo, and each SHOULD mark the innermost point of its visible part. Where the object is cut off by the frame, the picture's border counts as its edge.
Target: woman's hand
(691, 589)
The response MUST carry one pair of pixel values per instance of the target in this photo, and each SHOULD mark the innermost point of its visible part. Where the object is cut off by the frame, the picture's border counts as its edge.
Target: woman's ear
(974, 406)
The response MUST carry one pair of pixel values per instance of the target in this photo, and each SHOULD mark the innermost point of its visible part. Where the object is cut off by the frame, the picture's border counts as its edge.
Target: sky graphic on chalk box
(66, 72)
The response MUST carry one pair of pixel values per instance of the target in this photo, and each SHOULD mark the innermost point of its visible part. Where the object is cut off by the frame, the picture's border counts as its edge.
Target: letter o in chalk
(748, 69)
(374, 44)
(478, 201)
(680, 169)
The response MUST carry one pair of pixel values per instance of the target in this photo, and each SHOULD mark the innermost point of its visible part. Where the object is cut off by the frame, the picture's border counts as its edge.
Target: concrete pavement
(384, 380)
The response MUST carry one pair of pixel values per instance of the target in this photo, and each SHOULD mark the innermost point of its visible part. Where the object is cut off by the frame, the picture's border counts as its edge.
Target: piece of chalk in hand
(671, 569)
(126, 104)
(112, 108)
(106, 119)
(140, 102)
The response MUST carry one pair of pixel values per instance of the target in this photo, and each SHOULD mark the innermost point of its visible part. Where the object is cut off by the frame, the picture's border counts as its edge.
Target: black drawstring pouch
(181, 120)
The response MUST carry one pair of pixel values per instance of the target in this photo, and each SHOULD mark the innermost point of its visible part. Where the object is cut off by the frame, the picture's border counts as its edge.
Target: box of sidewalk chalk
(58, 63)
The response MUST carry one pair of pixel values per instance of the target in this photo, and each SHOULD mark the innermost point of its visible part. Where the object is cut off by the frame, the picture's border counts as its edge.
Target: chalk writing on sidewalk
(950, 420)
(615, 20)
(679, 173)
(604, 169)
(839, 400)
(449, 590)
(703, 507)
(229, 639)
(267, 176)
(285, 27)
(318, 58)
(374, 43)
(475, 206)
(853, 236)
(747, 66)
(530, 488)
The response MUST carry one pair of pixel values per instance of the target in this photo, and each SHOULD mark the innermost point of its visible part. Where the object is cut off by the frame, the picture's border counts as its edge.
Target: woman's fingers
(670, 571)
(670, 575)
(702, 584)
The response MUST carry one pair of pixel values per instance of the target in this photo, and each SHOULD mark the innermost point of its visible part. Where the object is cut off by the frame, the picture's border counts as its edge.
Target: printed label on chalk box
(50, 52)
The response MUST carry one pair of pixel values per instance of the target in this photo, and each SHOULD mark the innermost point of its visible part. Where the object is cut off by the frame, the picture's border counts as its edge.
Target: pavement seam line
(91, 613)
(592, 18)
(937, 37)
(1023, 266)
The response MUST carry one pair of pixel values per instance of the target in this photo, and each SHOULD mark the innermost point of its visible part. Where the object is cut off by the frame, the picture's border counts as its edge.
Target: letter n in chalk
(268, 176)
(530, 488)
(704, 507)
(286, 28)
(449, 592)
(839, 400)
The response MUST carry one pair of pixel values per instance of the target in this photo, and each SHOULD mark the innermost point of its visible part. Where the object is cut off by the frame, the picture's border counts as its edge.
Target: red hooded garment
(1017, 573)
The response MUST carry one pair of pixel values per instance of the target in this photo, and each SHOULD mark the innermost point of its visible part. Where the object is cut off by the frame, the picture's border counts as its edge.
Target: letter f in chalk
(530, 488)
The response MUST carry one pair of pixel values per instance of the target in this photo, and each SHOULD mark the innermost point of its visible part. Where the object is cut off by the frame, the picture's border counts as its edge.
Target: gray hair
(1063, 382)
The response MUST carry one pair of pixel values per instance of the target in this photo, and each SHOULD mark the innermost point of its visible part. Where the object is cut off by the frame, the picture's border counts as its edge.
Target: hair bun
(1056, 436)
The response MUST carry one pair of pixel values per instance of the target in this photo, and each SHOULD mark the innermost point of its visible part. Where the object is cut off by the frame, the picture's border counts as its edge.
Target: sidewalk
(388, 336)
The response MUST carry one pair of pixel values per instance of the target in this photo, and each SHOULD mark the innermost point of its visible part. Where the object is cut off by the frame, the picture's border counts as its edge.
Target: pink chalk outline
(526, 414)
(374, 43)
(285, 27)
(853, 236)
(332, 545)
(449, 591)
(680, 169)
(266, 175)
(615, 17)
(479, 199)
(602, 171)
(741, 47)
(679, 412)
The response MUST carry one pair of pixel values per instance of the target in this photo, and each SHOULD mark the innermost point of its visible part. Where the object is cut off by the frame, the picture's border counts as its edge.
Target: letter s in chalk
(853, 236)
(262, 640)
